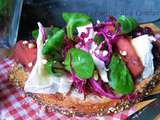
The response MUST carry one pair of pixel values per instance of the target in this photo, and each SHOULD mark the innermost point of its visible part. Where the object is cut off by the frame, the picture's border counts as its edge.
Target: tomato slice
(24, 55)
(129, 55)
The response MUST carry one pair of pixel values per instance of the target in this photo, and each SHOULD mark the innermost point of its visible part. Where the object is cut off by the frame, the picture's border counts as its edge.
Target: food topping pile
(105, 58)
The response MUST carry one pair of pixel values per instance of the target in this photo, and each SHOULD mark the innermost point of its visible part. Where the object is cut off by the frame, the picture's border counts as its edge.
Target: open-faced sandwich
(86, 68)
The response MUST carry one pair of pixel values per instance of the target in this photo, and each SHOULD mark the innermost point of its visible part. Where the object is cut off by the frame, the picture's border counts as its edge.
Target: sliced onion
(42, 29)
(97, 88)
(67, 46)
(132, 96)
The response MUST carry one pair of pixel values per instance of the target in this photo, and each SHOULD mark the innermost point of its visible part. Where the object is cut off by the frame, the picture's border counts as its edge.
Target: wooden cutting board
(156, 90)
(141, 105)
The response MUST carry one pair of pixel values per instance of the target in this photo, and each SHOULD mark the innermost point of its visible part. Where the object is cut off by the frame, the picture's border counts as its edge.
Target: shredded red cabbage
(132, 96)
(83, 42)
(100, 48)
(85, 35)
(97, 88)
(86, 45)
(104, 29)
(67, 46)
(100, 55)
(107, 58)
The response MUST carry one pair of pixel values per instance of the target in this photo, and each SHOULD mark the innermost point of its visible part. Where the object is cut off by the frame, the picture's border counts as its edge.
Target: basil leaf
(82, 63)
(35, 34)
(75, 20)
(127, 24)
(120, 78)
(48, 66)
(54, 67)
(49, 32)
(54, 30)
(98, 39)
(53, 43)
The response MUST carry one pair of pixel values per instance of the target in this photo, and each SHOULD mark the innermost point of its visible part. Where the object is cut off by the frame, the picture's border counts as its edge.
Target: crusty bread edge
(70, 106)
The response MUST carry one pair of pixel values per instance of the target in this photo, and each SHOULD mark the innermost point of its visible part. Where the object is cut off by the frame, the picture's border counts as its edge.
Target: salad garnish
(74, 20)
(82, 63)
(93, 50)
(54, 43)
(119, 78)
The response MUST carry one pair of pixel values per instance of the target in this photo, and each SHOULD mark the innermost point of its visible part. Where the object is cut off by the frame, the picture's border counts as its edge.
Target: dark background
(49, 12)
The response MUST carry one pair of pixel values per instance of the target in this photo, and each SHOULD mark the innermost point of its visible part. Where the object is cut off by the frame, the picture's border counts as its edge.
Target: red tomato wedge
(24, 55)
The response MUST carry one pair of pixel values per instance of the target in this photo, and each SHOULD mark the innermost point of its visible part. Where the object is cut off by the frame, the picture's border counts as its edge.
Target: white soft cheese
(39, 81)
(101, 68)
(99, 63)
(84, 29)
(143, 46)
(77, 95)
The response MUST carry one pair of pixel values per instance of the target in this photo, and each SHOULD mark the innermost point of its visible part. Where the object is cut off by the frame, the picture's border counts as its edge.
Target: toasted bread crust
(70, 106)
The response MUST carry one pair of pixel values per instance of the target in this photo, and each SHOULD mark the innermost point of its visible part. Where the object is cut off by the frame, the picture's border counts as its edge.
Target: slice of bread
(92, 105)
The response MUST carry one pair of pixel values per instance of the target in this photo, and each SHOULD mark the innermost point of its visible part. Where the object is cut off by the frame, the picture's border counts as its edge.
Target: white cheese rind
(77, 95)
(39, 81)
(143, 46)
(84, 29)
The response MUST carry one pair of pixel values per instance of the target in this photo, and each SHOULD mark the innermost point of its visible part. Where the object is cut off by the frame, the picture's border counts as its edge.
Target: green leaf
(98, 39)
(127, 24)
(75, 20)
(35, 34)
(48, 66)
(49, 32)
(54, 67)
(82, 63)
(120, 78)
(53, 43)
(54, 30)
